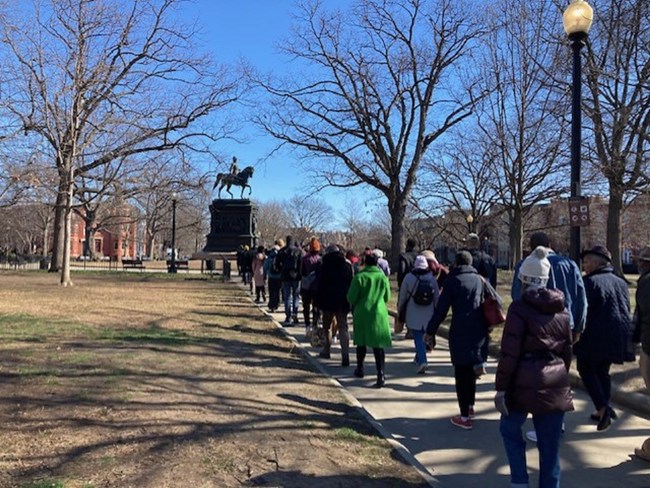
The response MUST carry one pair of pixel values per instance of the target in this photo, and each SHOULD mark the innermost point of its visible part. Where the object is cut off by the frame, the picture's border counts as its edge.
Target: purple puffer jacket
(535, 357)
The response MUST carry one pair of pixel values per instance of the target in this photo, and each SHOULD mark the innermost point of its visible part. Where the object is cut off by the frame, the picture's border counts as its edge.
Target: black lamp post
(577, 19)
(172, 264)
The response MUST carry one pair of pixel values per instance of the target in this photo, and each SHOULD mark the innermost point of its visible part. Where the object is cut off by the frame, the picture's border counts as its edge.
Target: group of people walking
(556, 312)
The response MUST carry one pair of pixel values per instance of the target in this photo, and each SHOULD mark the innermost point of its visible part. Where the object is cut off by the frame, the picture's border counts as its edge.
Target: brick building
(115, 240)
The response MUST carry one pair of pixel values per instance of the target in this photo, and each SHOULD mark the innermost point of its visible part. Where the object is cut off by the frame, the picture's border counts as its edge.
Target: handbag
(398, 326)
(492, 305)
(400, 320)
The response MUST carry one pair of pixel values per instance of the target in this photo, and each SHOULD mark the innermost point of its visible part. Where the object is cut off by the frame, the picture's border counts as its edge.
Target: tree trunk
(614, 211)
(89, 234)
(46, 238)
(58, 230)
(65, 269)
(516, 232)
(397, 210)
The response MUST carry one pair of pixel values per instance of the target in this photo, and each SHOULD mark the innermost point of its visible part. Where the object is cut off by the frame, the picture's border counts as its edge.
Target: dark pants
(595, 376)
(465, 387)
(307, 297)
(380, 358)
(341, 317)
(274, 293)
(260, 290)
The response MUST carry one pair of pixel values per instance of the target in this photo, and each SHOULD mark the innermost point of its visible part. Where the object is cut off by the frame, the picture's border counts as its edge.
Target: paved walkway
(415, 410)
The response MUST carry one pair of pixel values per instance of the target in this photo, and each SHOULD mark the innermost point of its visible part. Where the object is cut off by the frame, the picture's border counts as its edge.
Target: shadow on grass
(290, 479)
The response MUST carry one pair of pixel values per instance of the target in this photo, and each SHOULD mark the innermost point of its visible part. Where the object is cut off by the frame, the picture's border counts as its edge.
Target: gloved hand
(500, 403)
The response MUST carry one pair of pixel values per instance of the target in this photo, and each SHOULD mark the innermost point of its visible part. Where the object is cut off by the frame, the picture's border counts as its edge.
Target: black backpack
(424, 293)
(288, 262)
(275, 266)
(293, 263)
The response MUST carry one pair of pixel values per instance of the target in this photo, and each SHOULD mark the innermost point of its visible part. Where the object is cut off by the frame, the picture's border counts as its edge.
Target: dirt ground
(140, 380)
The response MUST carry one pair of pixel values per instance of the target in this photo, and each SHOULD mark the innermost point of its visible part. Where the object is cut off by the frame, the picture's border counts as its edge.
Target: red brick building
(115, 240)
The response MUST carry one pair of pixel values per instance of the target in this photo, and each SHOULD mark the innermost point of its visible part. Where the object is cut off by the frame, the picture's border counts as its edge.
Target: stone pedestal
(232, 223)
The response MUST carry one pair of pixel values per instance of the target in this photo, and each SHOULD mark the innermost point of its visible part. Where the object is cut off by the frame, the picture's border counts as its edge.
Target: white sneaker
(422, 368)
(531, 435)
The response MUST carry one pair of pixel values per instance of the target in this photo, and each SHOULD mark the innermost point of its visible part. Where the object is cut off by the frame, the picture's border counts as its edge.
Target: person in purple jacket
(533, 372)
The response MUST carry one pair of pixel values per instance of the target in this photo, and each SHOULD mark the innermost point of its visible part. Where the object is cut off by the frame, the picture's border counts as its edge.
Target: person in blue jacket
(566, 277)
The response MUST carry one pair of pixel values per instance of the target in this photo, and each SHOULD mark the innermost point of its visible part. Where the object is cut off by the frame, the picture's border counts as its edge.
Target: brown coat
(535, 356)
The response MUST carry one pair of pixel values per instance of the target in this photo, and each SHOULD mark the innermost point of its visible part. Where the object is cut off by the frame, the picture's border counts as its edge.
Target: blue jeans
(420, 346)
(290, 290)
(549, 431)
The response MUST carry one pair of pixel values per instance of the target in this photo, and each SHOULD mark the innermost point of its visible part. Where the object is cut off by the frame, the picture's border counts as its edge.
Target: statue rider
(234, 169)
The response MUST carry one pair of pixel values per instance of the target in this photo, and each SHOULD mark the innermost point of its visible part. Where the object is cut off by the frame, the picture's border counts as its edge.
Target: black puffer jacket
(535, 356)
(462, 291)
(334, 278)
(609, 325)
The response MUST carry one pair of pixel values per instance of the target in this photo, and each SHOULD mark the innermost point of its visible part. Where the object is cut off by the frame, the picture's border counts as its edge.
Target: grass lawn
(143, 380)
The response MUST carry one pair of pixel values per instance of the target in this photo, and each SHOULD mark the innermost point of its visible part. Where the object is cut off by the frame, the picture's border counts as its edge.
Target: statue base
(232, 224)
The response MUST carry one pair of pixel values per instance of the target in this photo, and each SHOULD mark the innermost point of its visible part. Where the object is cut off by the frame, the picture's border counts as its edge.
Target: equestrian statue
(234, 178)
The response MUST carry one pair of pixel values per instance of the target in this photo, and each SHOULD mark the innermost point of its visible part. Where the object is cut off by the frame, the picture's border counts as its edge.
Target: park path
(415, 410)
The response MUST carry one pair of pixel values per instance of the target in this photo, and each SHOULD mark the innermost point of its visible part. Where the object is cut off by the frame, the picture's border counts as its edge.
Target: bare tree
(460, 179)
(382, 83)
(617, 103)
(100, 80)
(308, 215)
(521, 122)
(272, 221)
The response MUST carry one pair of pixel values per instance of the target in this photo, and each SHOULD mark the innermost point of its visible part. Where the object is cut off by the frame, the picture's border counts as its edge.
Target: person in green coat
(368, 295)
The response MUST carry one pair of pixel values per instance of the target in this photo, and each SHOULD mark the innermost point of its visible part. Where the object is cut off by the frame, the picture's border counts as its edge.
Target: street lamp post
(577, 19)
(172, 264)
(470, 221)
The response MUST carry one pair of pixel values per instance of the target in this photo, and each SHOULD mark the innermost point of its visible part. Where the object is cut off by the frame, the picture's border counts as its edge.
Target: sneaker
(358, 372)
(295, 319)
(287, 322)
(531, 435)
(471, 412)
(324, 355)
(458, 421)
(422, 368)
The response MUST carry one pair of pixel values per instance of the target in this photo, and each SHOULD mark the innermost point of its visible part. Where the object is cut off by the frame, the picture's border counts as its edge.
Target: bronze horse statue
(229, 179)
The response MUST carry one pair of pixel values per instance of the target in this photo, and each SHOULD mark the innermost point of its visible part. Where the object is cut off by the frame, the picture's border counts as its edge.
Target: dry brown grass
(137, 380)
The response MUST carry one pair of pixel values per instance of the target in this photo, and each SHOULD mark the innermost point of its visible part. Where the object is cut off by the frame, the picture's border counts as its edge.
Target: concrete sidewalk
(415, 410)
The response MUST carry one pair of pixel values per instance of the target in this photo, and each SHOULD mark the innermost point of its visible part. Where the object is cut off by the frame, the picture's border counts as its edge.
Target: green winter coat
(368, 295)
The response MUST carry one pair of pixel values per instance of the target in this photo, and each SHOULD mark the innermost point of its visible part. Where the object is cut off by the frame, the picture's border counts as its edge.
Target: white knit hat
(536, 268)
(420, 263)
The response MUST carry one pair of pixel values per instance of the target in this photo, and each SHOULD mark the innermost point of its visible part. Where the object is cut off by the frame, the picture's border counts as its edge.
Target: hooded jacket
(535, 357)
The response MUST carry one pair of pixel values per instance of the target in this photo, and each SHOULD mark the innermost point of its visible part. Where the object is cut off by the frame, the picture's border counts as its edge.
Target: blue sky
(252, 29)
